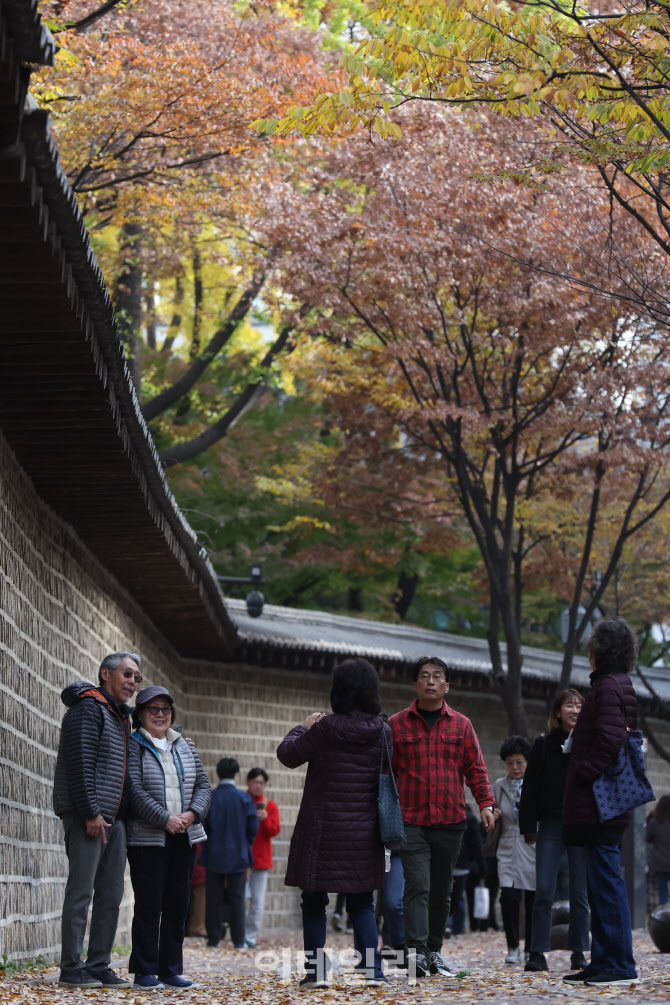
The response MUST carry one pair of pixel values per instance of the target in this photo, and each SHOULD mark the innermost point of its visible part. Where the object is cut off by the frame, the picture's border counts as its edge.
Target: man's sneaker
(109, 979)
(376, 982)
(177, 981)
(606, 978)
(336, 921)
(578, 961)
(537, 961)
(580, 977)
(311, 982)
(513, 955)
(417, 965)
(80, 978)
(148, 983)
(438, 965)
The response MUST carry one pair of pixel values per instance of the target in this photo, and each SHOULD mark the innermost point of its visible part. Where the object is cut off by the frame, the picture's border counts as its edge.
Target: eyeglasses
(431, 676)
(137, 677)
(158, 709)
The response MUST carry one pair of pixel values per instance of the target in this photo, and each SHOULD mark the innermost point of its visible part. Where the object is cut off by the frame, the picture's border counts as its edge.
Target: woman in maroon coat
(609, 709)
(335, 845)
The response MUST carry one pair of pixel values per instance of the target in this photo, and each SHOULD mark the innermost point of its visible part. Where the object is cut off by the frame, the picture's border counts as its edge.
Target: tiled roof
(397, 646)
(68, 409)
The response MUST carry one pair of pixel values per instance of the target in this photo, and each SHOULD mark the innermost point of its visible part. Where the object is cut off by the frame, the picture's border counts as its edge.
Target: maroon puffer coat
(596, 740)
(335, 845)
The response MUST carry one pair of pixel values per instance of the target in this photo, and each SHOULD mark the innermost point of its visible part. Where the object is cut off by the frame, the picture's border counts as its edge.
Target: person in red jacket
(268, 815)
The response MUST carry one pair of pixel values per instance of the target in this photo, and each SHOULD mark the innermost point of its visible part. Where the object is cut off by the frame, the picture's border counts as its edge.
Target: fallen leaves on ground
(226, 976)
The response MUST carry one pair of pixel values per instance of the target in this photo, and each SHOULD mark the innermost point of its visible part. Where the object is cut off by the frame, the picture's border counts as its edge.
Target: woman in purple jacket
(335, 845)
(609, 709)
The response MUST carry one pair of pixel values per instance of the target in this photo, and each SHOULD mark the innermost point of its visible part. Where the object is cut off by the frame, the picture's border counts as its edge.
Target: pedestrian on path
(336, 844)
(435, 750)
(516, 859)
(609, 709)
(170, 797)
(541, 823)
(90, 794)
(658, 838)
(268, 828)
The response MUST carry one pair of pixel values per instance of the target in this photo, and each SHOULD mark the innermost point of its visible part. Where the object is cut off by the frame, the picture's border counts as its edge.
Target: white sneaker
(513, 956)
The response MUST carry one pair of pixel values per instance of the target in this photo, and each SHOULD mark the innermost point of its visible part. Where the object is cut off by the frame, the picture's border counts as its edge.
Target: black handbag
(624, 785)
(391, 826)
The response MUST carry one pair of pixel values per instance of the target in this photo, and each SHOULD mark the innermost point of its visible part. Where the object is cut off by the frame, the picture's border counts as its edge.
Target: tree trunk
(404, 593)
(175, 321)
(128, 298)
(197, 305)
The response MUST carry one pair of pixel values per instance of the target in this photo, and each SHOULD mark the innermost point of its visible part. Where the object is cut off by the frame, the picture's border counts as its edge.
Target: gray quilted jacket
(148, 815)
(91, 764)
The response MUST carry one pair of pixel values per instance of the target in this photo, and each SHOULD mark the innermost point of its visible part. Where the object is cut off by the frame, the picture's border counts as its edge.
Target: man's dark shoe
(607, 979)
(578, 961)
(417, 965)
(438, 965)
(580, 977)
(538, 961)
(176, 981)
(109, 979)
(78, 979)
(310, 982)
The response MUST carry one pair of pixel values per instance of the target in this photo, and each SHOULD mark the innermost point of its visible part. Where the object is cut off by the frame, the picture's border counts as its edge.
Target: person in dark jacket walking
(658, 838)
(335, 844)
(609, 709)
(170, 796)
(231, 826)
(541, 823)
(89, 791)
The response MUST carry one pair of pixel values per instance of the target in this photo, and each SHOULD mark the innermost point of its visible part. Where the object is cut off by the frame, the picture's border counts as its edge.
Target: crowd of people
(129, 785)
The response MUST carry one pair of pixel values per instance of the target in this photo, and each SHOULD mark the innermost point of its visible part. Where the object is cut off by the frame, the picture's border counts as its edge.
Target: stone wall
(60, 613)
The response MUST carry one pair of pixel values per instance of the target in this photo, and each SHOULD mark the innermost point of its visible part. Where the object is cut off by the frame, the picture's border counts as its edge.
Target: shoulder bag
(391, 826)
(624, 785)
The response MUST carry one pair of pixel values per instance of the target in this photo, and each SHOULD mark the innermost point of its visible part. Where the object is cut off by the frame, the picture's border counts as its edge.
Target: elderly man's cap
(153, 691)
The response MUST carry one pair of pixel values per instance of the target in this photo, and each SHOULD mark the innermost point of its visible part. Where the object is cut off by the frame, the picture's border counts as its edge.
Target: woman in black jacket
(541, 821)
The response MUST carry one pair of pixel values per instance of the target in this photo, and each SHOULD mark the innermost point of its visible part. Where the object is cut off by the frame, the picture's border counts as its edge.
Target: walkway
(229, 977)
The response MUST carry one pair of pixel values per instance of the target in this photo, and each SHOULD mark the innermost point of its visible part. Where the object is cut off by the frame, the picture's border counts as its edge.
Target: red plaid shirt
(430, 765)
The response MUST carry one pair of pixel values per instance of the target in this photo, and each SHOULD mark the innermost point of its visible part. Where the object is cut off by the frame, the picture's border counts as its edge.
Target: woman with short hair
(335, 844)
(170, 796)
(516, 859)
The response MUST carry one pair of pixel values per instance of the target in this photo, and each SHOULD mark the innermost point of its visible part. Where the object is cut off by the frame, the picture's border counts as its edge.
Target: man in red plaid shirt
(435, 750)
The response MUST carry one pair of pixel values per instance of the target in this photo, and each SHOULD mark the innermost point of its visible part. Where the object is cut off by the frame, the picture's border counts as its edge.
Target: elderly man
(435, 750)
(89, 790)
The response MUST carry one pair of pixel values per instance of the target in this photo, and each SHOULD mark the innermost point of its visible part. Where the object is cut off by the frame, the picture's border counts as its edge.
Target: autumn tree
(593, 81)
(499, 375)
(152, 105)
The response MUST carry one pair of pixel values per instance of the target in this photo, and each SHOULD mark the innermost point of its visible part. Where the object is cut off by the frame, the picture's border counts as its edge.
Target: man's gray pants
(95, 870)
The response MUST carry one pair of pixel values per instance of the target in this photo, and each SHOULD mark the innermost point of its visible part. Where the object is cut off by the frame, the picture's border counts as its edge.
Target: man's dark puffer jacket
(92, 754)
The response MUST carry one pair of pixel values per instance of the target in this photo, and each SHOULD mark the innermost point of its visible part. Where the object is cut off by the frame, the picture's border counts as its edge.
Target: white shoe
(513, 956)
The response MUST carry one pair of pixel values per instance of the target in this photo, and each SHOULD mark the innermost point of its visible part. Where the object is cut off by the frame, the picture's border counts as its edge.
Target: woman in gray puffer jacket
(170, 795)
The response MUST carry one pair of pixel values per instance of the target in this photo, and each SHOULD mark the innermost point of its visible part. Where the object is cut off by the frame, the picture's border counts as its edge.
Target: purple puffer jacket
(596, 740)
(335, 845)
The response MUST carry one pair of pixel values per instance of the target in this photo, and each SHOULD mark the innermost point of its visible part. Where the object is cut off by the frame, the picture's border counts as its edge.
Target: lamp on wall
(255, 598)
